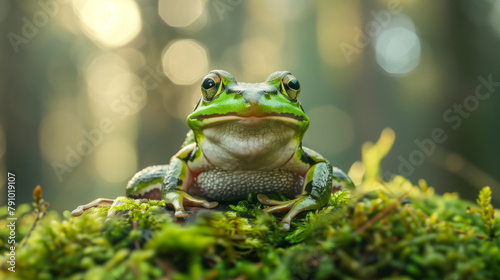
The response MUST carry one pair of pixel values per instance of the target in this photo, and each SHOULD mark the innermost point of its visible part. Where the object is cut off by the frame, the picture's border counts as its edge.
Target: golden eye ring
(210, 86)
(291, 87)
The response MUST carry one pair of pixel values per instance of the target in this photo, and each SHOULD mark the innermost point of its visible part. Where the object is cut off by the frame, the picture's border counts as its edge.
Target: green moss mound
(389, 230)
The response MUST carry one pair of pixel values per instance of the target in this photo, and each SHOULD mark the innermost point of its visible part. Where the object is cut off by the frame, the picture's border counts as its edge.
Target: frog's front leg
(176, 185)
(145, 185)
(315, 194)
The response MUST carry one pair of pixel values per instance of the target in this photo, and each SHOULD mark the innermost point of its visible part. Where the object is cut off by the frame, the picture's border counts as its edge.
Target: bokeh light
(108, 78)
(185, 62)
(398, 47)
(111, 23)
(180, 13)
(288, 9)
(116, 158)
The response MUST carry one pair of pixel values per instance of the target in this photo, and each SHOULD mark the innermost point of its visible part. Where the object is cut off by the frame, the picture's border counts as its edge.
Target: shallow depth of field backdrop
(93, 91)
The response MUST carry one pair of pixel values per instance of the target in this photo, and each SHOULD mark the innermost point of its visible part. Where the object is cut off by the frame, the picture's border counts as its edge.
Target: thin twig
(381, 214)
(463, 232)
(39, 213)
(136, 242)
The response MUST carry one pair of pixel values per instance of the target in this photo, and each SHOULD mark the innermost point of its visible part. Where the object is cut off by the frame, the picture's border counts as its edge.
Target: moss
(391, 230)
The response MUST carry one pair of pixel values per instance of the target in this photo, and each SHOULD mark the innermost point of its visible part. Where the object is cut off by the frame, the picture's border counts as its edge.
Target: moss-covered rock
(390, 230)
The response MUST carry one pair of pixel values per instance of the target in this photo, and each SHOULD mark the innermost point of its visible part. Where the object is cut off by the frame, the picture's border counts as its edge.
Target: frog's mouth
(251, 120)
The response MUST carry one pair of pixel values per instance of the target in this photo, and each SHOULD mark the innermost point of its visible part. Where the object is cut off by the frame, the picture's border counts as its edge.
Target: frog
(244, 138)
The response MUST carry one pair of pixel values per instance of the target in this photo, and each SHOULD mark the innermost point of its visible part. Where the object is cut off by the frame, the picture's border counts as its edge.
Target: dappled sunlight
(185, 62)
(108, 77)
(180, 13)
(288, 9)
(111, 23)
(398, 47)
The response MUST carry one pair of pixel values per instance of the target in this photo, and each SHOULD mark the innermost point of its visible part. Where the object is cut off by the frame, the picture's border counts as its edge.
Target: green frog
(244, 139)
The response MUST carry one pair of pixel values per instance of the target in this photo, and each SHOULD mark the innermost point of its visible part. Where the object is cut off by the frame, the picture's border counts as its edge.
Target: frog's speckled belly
(225, 186)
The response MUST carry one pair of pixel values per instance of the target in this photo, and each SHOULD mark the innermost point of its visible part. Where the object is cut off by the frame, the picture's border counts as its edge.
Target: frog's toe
(285, 226)
(277, 205)
(77, 212)
(294, 207)
(192, 201)
(181, 213)
(264, 199)
(279, 208)
(210, 204)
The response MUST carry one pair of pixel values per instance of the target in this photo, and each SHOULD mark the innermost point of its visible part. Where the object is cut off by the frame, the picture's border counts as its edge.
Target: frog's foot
(180, 198)
(294, 207)
(96, 203)
(112, 203)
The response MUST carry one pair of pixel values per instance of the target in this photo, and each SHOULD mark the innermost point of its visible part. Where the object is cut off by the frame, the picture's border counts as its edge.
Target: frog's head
(249, 119)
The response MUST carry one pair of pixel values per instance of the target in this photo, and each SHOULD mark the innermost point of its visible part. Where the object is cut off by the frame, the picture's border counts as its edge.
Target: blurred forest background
(93, 91)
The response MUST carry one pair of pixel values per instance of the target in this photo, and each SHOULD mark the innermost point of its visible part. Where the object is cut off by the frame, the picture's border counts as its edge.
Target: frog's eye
(291, 87)
(210, 86)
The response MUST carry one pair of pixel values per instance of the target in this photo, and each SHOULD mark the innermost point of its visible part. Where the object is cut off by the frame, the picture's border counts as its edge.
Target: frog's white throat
(250, 143)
